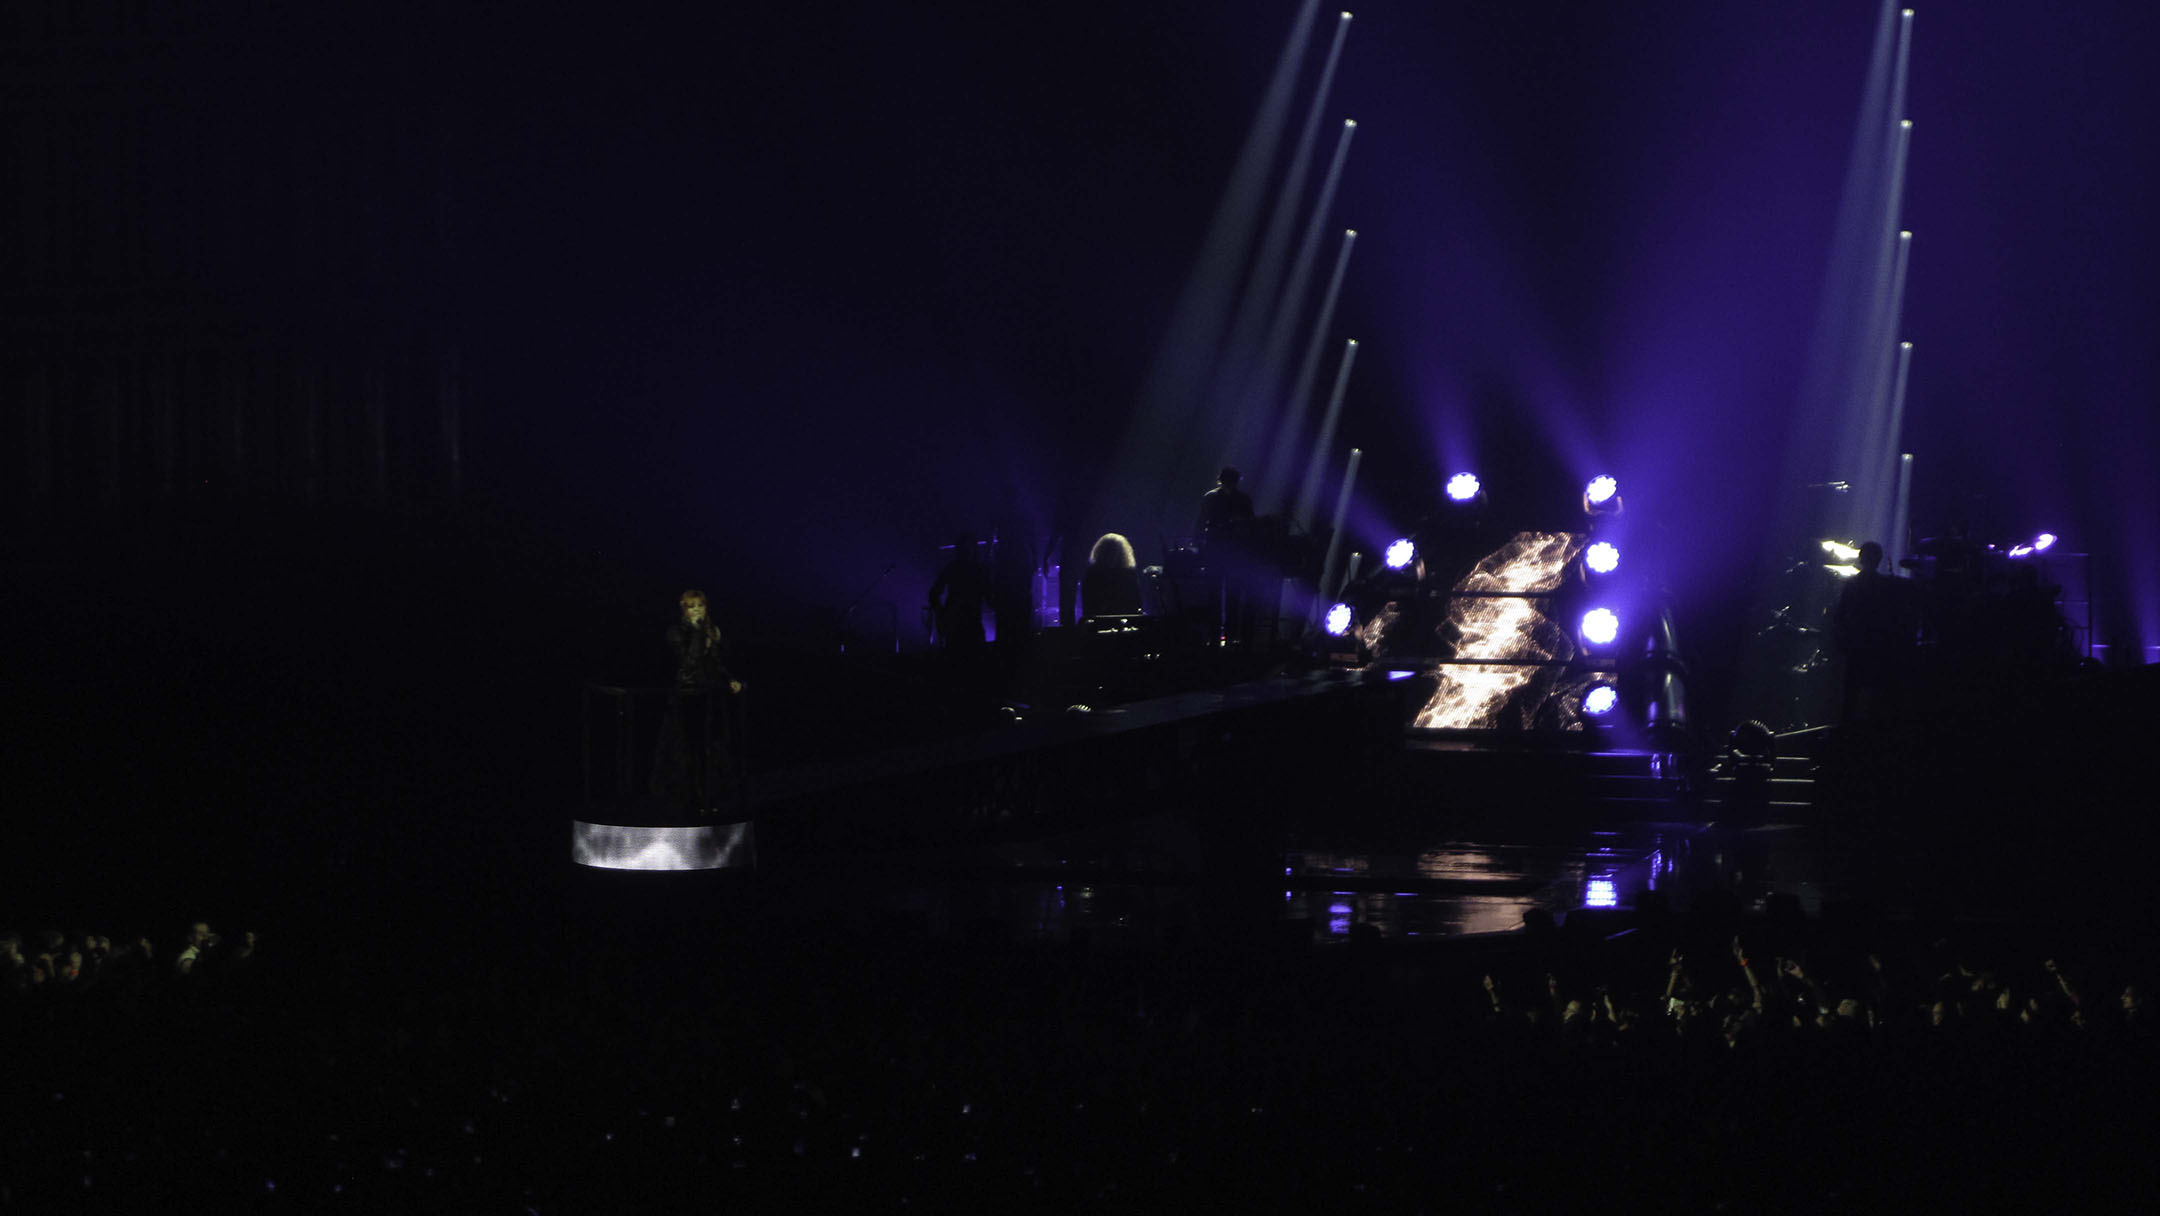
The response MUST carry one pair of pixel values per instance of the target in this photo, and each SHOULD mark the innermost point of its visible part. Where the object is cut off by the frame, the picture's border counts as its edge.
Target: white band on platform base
(615, 846)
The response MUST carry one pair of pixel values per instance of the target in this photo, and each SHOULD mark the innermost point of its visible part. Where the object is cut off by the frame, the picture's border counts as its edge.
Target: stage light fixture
(1600, 700)
(1600, 626)
(2017, 551)
(1338, 620)
(1400, 554)
(1600, 490)
(1463, 487)
(1600, 892)
(1602, 557)
(2043, 542)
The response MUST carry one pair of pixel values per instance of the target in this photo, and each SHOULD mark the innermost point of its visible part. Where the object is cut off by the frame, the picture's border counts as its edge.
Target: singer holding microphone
(692, 762)
(696, 643)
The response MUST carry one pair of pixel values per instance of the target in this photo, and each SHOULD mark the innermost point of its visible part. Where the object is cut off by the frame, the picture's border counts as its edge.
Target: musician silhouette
(1111, 586)
(1222, 509)
(1876, 623)
(1225, 528)
(957, 596)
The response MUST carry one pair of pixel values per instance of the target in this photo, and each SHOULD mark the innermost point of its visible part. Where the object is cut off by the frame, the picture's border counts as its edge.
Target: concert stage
(1309, 802)
(1038, 773)
(1104, 818)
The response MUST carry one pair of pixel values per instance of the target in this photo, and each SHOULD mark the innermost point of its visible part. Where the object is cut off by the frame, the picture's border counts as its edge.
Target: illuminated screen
(1505, 696)
(616, 846)
(1530, 563)
(1504, 619)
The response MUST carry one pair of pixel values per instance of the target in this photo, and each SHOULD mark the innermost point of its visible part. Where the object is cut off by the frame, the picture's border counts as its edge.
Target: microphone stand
(848, 615)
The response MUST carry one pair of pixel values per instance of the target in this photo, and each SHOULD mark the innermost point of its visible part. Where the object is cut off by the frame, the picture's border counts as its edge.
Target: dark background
(863, 277)
(795, 294)
(768, 298)
(787, 294)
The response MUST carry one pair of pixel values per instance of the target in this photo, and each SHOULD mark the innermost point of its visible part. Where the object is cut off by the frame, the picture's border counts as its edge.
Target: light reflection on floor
(1465, 887)
(1408, 915)
(1451, 889)
(1439, 896)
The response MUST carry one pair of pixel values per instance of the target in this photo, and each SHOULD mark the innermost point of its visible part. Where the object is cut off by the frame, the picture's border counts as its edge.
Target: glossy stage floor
(1302, 803)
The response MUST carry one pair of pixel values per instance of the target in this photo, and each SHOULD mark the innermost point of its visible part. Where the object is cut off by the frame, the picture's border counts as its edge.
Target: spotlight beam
(1255, 404)
(1309, 492)
(1155, 459)
(1342, 511)
(1848, 420)
(1875, 462)
(1898, 542)
(1849, 336)
(1277, 239)
(1903, 69)
(1239, 384)
(1883, 495)
(1285, 448)
(1871, 443)
(1894, 251)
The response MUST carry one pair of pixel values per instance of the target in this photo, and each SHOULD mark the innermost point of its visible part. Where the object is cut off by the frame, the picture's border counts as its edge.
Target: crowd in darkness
(51, 970)
(1747, 1003)
(1710, 1062)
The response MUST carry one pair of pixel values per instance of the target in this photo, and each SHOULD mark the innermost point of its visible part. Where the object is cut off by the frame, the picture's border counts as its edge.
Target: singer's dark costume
(698, 661)
(691, 760)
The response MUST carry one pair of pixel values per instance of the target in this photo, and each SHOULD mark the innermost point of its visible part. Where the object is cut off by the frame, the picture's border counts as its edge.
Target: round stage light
(1600, 491)
(1401, 553)
(1600, 700)
(1602, 557)
(1338, 620)
(1600, 626)
(1463, 487)
(2043, 542)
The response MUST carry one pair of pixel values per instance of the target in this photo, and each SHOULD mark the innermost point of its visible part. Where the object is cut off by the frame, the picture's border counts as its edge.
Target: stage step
(1789, 790)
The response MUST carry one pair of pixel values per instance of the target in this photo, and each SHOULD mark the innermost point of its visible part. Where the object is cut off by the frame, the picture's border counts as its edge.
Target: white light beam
(1308, 499)
(1285, 446)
